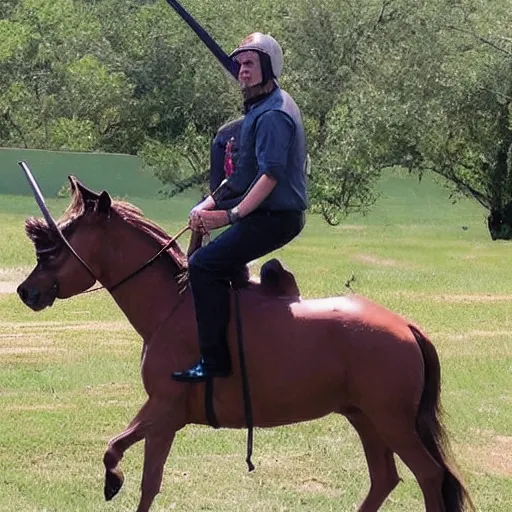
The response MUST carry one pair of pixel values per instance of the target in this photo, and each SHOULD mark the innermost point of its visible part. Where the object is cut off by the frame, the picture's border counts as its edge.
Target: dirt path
(10, 278)
(8, 286)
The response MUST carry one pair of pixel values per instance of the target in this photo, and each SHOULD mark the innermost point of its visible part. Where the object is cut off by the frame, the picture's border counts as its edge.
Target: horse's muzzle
(35, 299)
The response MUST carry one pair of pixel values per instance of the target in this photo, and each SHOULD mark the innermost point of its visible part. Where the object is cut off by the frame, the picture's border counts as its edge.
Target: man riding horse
(264, 200)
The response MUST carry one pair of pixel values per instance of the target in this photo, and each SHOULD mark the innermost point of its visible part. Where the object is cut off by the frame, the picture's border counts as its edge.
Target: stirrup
(201, 372)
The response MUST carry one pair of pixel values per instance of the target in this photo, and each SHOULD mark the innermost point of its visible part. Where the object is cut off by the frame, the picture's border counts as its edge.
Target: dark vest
(226, 132)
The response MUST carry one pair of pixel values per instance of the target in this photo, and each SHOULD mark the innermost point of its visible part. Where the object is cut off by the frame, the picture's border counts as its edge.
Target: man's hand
(208, 220)
(194, 220)
(195, 223)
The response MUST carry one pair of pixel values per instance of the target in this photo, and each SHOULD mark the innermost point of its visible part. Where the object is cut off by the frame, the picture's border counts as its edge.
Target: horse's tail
(431, 430)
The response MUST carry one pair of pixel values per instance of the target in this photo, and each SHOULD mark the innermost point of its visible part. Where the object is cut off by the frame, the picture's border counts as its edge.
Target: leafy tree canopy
(381, 83)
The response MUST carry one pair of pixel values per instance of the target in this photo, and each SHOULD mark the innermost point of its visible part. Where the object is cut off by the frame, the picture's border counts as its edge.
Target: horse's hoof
(114, 480)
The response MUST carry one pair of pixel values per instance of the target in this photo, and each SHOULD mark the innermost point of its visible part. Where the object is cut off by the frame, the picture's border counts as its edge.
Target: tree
(451, 115)
(46, 47)
(381, 83)
(400, 83)
(474, 141)
(341, 61)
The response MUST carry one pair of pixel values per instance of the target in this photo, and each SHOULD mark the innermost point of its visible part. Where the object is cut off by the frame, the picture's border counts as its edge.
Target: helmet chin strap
(266, 68)
(258, 90)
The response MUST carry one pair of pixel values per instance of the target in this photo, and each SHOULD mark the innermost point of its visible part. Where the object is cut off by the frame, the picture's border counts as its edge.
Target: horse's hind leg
(381, 463)
(400, 434)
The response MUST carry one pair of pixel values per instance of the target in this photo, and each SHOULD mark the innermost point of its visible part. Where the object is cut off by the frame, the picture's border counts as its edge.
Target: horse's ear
(87, 194)
(104, 203)
(72, 183)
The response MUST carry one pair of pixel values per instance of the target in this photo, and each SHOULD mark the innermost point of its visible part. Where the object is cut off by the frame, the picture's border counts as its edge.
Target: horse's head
(59, 273)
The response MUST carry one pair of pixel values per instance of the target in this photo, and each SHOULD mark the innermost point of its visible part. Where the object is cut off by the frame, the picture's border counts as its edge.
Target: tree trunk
(500, 223)
(500, 217)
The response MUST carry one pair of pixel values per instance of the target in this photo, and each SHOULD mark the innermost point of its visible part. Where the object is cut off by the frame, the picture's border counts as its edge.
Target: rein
(135, 272)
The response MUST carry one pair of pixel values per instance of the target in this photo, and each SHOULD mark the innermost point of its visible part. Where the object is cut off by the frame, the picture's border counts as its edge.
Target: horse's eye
(48, 255)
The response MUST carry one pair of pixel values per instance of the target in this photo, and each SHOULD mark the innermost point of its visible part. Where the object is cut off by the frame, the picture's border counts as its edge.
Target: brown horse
(345, 355)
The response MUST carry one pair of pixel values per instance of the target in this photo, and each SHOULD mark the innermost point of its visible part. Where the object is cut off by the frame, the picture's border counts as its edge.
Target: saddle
(274, 281)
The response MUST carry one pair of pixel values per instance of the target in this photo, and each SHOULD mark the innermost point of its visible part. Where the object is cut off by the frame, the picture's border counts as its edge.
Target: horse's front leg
(135, 431)
(156, 450)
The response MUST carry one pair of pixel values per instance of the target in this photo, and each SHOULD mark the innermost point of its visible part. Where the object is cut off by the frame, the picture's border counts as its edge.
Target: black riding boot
(215, 362)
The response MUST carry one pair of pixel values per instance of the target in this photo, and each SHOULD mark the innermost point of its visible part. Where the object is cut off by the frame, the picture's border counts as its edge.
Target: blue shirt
(274, 136)
(272, 142)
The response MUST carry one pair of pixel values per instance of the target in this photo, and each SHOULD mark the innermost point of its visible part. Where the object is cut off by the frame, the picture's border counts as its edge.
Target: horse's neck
(148, 298)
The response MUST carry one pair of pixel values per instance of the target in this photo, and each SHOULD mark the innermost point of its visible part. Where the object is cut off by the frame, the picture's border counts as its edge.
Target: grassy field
(69, 376)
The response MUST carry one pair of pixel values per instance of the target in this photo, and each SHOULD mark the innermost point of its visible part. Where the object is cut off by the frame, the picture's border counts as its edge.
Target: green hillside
(120, 174)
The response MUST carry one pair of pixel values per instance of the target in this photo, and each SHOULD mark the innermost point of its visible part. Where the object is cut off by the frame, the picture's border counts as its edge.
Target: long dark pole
(38, 196)
(228, 64)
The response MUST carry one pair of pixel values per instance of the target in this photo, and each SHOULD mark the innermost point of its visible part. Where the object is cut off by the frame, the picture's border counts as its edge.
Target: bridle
(110, 289)
(53, 225)
(136, 272)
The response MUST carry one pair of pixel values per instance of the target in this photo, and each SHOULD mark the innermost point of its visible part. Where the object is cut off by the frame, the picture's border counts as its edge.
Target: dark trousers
(211, 268)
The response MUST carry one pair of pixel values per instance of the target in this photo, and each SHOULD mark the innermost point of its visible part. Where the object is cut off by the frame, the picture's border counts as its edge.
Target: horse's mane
(44, 237)
(134, 217)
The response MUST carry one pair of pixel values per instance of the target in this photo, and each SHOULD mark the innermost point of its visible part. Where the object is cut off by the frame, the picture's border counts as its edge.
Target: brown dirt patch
(9, 286)
(284, 469)
(380, 262)
(22, 339)
(27, 350)
(473, 298)
(112, 388)
(45, 327)
(314, 486)
(94, 326)
(26, 343)
(39, 407)
(124, 404)
(7, 274)
(10, 278)
(493, 456)
(351, 227)
(476, 334)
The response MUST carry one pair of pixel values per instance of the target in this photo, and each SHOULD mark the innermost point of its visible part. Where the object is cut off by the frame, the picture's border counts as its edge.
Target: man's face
(250, 69)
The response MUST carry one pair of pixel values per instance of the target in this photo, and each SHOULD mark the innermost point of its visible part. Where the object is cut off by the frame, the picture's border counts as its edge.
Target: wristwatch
(233, 215)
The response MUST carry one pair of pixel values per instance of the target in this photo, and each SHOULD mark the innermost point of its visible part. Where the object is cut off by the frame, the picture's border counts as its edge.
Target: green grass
(69, 376)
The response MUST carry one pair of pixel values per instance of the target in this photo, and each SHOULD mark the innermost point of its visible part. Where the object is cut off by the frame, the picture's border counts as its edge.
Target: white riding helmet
(265, 44)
